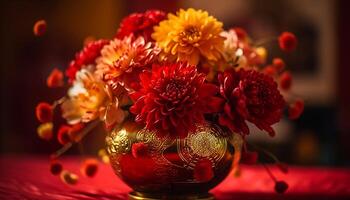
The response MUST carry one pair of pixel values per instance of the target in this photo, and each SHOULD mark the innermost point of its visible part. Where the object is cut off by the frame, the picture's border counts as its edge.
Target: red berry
(55, 79)
(203, 171)
(39, 28)
(44, 112)
(296, 109)
(89, 168)
(270, 70)
(139, 150)
(286, 80)
(287, 41)
(281, 186)
(63, 134)
(44, 131)
(278, 63)
(55, 168)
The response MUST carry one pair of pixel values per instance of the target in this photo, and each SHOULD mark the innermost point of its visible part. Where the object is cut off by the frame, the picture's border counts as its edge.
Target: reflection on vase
(168, 167)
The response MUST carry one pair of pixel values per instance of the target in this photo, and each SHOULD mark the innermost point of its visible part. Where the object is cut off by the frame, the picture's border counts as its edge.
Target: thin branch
(265, 41)
(58, 102)
(78, 138)
(269, 172)
(269, 154)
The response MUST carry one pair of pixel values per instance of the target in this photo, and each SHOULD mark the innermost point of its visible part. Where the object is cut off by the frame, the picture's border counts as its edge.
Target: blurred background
(319, 66)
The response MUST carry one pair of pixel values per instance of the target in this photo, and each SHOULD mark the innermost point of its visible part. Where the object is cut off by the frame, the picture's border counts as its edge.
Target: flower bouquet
(175, 93)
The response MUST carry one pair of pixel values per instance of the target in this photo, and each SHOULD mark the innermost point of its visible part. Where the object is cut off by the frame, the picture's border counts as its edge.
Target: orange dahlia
(122, 60)
(190, 34)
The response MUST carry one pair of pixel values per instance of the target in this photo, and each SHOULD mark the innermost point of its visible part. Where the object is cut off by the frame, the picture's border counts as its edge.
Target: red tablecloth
(28, 177)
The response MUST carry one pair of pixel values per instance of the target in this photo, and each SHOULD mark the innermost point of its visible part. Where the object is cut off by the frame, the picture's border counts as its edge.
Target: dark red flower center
(174, 90)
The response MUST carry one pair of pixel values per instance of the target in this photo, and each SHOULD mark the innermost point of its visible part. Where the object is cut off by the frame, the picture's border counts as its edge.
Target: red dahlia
(140, 24)
(252, 96)
(173, 98)
(86, 56)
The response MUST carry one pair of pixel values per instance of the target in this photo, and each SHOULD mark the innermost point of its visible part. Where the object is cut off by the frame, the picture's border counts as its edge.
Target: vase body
(168, 168)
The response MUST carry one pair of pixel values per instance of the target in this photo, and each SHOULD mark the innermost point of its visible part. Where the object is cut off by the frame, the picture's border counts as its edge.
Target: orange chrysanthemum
(121, 61)
(189, 35)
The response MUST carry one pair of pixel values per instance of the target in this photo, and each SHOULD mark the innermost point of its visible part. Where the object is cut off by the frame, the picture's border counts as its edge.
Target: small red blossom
(252, 96)
(140, 24)
(203, 171)
(173, 98)
(249, 157)
(278, 63)
(55, 167)
(63, 134)
(86, 56)
(55, 79)
(287, 41)
(270, 70)
(44, 112)
(296, 109)
(286, 80)
(45, 131)
(39, 28)
(89, 168)
(139, 150)
(281, 187)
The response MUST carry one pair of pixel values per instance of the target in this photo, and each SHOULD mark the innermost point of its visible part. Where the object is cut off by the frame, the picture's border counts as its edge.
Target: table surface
(28, 177)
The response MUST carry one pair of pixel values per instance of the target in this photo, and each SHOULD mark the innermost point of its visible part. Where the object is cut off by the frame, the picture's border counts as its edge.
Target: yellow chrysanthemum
(189, 35)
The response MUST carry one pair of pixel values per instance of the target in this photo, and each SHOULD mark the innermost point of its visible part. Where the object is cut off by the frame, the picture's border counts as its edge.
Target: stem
(61, 151)
(58, 102)
(269, 154)
(86, 130)
(269, 172)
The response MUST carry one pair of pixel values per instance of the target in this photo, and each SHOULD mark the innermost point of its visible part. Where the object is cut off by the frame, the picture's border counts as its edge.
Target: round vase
(167, 169)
